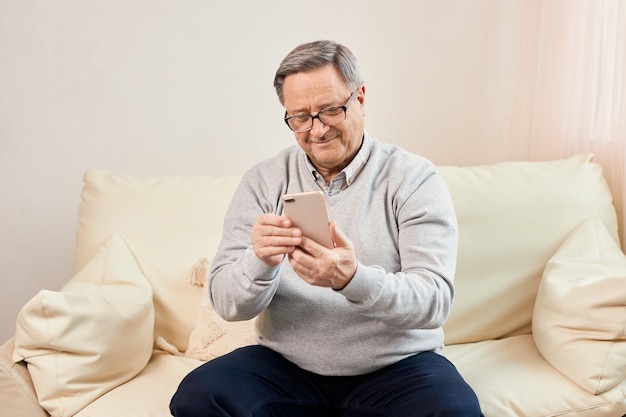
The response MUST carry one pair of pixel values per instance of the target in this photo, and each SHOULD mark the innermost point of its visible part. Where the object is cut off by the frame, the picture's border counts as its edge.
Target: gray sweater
(397, 212)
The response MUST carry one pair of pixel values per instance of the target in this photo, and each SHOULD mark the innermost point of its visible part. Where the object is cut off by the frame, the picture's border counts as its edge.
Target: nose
(318, 129)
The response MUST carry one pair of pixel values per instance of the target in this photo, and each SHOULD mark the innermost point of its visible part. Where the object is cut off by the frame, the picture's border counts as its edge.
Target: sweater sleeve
(241, 285)
(419, 294)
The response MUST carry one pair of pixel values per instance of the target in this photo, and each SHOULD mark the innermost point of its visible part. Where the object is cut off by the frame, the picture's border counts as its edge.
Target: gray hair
(313, 55)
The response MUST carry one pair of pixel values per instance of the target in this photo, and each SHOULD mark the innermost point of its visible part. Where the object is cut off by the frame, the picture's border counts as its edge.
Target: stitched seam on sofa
(20, 382)
(44, 312)
(57, 357)
(606, 360)
(584, 409)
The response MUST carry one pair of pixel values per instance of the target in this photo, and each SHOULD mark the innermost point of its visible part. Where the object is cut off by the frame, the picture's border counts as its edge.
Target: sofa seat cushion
(512, 379)
(146, 395)
(579, 323)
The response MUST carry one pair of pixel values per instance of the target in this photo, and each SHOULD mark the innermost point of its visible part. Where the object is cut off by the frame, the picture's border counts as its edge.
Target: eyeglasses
(330, 117)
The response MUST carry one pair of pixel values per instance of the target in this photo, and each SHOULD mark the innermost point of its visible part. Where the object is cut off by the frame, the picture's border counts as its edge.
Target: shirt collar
(354, 167)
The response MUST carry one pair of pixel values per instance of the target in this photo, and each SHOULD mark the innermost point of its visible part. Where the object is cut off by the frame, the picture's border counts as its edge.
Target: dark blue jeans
(257, 382)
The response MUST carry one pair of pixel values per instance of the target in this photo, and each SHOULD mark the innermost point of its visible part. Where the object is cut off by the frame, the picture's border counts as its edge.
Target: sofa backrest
(512, 217)
(169, 223)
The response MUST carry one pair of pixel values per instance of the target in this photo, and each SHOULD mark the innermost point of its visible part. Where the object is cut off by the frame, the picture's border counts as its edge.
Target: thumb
(339, 238)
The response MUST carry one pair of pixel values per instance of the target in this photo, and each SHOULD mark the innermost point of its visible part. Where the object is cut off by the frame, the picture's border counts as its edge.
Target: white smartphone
(307, 211)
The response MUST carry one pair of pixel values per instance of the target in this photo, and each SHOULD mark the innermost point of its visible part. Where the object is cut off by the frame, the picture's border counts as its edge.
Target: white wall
(185, 87)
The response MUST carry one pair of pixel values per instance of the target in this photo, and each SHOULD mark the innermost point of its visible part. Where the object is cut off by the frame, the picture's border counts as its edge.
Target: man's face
(330, 148)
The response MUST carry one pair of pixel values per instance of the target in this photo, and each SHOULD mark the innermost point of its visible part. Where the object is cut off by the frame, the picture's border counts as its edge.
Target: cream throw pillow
(579, 320)
(213, 336)
(92, 336)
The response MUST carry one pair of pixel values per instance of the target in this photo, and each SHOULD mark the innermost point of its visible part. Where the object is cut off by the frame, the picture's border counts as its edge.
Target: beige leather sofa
(537, 328)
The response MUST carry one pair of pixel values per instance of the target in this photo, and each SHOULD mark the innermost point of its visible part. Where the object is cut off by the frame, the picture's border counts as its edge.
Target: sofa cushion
(169, 222)
(579, 322)
(17, 393)
(92, 336)
(146, 395)
(212, 336)
(512, 217)
(512, 379)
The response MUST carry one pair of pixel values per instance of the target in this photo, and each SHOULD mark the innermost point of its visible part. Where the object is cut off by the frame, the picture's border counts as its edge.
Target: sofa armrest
(17, 393)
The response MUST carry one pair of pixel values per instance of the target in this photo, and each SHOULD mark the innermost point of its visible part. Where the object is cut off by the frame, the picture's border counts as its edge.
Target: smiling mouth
(322, 140)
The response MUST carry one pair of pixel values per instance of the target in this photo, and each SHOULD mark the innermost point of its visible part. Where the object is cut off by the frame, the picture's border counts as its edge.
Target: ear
(360, 96)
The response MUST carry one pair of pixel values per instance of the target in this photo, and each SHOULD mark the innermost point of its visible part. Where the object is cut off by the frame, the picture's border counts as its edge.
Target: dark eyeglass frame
(319, 116)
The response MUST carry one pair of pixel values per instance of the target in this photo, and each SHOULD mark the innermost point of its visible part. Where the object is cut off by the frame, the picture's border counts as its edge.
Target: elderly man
(351, 330)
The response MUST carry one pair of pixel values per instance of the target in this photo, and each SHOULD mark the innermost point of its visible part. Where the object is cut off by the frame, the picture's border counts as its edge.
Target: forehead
(318, 87)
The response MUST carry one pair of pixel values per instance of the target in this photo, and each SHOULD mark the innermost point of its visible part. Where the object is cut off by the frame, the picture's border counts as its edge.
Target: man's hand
(325, 267)
(273, 237)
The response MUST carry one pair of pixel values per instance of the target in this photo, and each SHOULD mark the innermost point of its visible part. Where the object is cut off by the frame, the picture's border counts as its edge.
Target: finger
(273, 221)
(340, 239)
(282, 231)
(312, 248)
(273, 225)
(273, 237)
(302, 264)
(272, 251)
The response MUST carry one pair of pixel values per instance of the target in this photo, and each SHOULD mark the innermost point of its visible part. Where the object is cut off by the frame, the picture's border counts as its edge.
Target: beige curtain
(570, 93)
